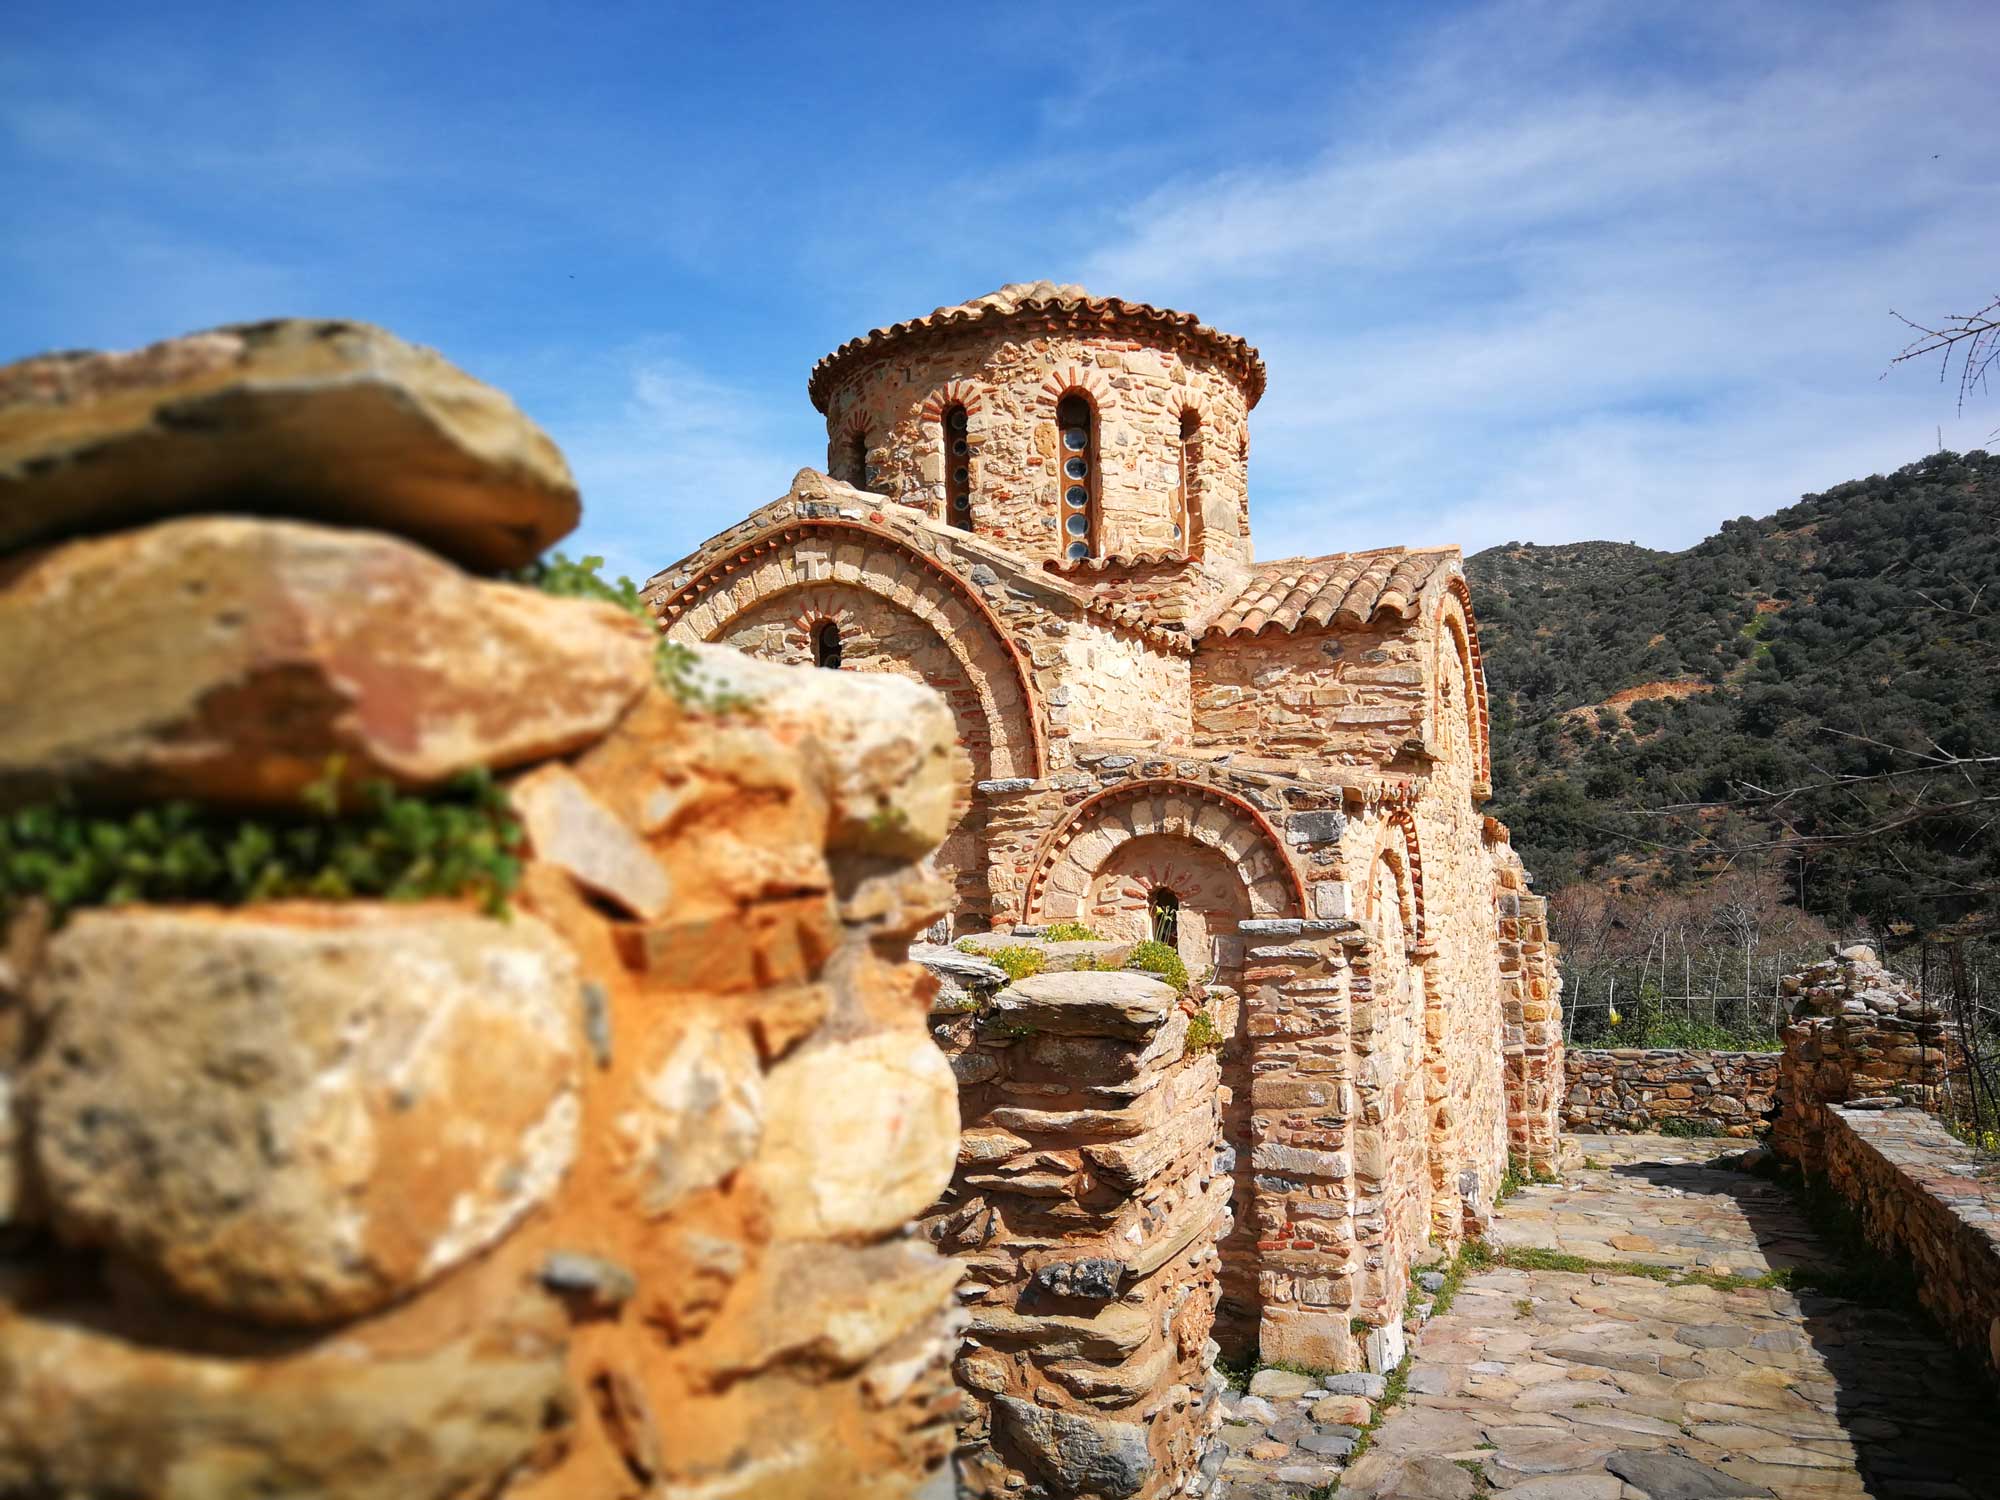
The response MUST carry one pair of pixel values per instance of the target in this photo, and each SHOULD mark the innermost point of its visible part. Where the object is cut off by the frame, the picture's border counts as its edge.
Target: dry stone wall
(1090, 1196)
(608, 1193)
(1930, 1200)
(1865, 1061)
(1645, 1089)
(1859, 1034)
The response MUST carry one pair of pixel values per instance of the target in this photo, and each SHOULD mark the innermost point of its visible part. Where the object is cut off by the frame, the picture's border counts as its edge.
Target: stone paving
(1554, 1385)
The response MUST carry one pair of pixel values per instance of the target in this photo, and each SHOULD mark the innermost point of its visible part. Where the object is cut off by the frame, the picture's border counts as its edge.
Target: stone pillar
(1087, 1208)
(1859, 1035)
(1299, 980)
(1531, 1000)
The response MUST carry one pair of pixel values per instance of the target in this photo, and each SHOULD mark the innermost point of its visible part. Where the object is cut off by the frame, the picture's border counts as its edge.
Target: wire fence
(1627, 1005)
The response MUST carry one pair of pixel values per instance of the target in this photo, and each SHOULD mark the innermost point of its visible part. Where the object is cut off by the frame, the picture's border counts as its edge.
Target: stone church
(1036, 502)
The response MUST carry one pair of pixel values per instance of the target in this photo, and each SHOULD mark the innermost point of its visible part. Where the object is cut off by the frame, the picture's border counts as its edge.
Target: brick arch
(931, 434)
(1464, 628)
(963, 393)
(863, 557)
(1071, 852)
(1398, 844)
(1059, 383)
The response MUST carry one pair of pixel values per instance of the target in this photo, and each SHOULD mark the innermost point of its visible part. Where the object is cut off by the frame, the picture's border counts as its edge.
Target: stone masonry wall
(1531, 1005)
(1642, 1089)
(607, 1194)
(1865, 1059)
(1086, 1209)
(1858, 1035)
(1929, 1199)
(1352, 699)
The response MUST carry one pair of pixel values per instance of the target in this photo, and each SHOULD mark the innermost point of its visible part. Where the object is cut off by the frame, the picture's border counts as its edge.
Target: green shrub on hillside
(1071, 932)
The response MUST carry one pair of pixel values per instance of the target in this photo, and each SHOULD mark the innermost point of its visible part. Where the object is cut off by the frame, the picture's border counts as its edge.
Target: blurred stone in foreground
(325, 420)
(607, 1194)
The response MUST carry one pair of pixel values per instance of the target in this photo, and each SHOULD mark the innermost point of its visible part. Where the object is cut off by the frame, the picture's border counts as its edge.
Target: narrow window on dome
(1076, 445)
(857, 460)
(826, 645)
(957, 468)
(1187, 517)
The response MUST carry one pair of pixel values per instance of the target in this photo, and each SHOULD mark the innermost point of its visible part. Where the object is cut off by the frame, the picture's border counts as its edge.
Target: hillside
(1839, 637)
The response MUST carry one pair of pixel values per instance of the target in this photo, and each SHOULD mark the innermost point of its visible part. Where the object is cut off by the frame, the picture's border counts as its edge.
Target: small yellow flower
(1615, 1017)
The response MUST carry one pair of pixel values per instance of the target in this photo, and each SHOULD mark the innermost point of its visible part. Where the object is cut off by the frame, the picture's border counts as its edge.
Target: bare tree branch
(1973, 337)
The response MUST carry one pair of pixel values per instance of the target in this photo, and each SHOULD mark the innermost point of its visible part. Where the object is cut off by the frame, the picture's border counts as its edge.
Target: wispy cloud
(666, 452)
(1527, 268)
(1556, 287)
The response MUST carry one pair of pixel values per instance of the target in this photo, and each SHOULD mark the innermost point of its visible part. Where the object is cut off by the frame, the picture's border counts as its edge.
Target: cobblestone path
(1560, 1385)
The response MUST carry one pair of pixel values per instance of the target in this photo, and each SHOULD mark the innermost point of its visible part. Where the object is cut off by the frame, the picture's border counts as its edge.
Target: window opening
(957, 468)
(1187, 518)
(826, 645)
(1076, 431)
(857, 460)
(1166, 910)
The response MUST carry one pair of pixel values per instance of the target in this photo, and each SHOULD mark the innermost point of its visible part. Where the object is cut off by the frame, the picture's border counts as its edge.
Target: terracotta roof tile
(1345, 590)
(1114, 560)
(1043, 298)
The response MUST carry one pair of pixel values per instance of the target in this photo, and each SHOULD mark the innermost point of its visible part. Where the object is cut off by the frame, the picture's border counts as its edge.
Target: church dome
(1063, 306)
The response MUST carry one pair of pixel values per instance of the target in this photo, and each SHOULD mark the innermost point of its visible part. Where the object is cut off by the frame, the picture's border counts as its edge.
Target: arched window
(957, 468)
(1076, 442)
(1166, 912)
(826, 645)
(1187, 517)
(857, 460)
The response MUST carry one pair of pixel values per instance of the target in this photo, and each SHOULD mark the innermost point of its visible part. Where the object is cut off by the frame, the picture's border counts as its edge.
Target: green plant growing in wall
(1071, 932)
(1157, 958)
(1203, 1035)
(1018, 961)
(458, 841)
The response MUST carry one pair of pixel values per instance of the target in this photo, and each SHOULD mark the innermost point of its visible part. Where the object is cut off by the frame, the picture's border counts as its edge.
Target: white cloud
(1543, 286)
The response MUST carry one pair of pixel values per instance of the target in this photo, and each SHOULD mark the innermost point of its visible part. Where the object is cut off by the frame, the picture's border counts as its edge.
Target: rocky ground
(1591, 1385)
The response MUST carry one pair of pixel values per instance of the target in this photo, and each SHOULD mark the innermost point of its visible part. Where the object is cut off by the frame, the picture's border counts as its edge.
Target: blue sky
(1544, 271)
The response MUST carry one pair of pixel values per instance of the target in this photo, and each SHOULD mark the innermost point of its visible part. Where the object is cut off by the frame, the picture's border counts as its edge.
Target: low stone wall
(1644, 1089)
(1926, 1197)
(1087, 1208)
(1858, 1032)
(597, 1181)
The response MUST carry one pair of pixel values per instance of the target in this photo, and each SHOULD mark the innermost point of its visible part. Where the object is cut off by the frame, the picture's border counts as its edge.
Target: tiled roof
(1043, 298)
(1114, 560)
(1346, 589)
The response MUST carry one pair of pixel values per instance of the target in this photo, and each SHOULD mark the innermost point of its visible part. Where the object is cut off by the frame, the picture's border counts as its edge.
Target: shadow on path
(1925, 1424)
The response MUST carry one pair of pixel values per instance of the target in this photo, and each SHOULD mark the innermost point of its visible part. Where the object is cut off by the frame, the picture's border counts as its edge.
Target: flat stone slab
(1280, 1385)
(960, 975)
(1118, 1004)
(1672, 1476)
(1586, 1386)
(323, 420)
